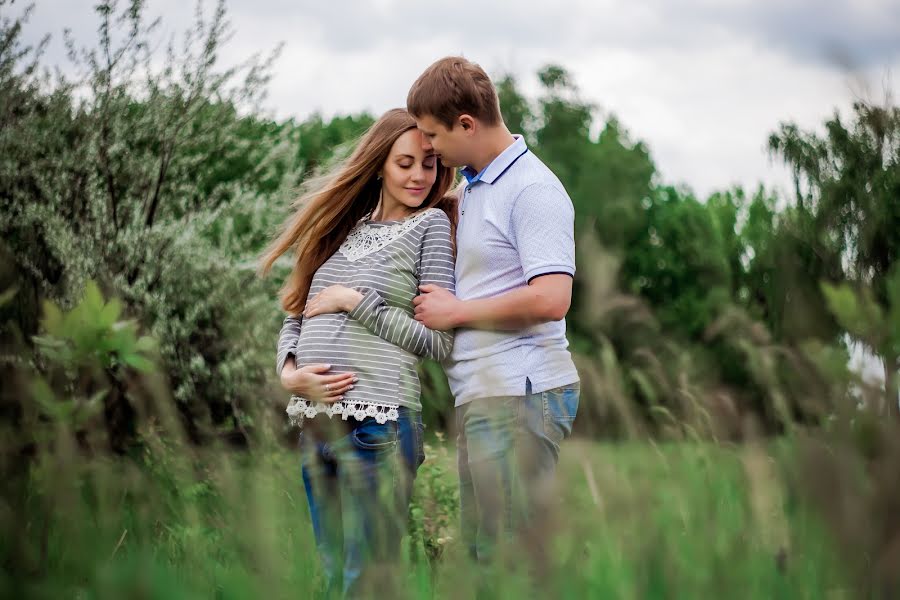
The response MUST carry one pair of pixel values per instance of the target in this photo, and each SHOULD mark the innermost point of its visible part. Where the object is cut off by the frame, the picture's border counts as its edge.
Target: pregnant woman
(379, 227)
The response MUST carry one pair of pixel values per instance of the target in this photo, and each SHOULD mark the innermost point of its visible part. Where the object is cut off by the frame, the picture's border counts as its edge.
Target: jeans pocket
(371, 435)
(561, 406)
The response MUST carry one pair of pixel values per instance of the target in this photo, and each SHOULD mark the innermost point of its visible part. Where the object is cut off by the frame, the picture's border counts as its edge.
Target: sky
(701, 82)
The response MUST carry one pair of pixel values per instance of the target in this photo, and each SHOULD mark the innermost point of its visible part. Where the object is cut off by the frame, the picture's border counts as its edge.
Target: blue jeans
(508, 448)
(359, 477)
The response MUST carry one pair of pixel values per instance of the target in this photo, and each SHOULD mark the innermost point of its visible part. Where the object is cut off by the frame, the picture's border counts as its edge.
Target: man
(511, 373)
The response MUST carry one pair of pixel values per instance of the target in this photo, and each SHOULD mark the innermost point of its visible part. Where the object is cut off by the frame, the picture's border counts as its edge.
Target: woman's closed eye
(428, 163)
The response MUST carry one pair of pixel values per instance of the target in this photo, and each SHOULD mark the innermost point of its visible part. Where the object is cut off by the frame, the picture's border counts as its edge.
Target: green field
(637, 520)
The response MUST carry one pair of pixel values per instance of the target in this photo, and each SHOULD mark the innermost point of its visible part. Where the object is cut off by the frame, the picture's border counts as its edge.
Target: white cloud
(703, 82)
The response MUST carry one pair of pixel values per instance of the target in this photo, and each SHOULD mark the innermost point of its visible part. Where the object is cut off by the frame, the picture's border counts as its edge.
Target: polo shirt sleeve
(543, 231)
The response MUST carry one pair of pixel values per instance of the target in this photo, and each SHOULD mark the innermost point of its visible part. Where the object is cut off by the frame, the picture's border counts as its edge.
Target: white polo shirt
(516, 222)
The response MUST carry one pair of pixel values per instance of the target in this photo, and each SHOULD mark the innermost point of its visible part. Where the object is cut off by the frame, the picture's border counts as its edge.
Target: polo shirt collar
(499, 165)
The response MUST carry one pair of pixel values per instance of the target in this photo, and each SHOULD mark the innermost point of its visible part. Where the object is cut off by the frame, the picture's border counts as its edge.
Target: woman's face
(408, 173)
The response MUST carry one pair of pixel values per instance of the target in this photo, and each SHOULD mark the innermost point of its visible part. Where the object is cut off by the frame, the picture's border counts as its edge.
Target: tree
(679, 263)
(515, 107)
(318, 139)
(119, 179)
(847, 185)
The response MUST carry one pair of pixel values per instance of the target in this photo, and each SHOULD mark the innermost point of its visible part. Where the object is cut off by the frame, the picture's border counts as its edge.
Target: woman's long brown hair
(323, 219)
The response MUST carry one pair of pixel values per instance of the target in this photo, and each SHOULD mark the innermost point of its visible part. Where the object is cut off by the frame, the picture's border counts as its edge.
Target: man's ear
(468, 123)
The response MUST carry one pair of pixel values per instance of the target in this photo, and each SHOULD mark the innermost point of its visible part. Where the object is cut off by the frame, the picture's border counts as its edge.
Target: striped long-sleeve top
(379, 340)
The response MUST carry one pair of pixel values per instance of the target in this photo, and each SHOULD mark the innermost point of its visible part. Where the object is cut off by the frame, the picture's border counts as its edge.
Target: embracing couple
(393, 265)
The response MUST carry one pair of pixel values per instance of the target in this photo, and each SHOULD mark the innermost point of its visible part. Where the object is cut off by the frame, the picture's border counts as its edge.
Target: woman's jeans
(359, 477)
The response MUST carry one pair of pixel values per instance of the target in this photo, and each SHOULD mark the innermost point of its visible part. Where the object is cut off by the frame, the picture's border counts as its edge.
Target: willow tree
(847, 183)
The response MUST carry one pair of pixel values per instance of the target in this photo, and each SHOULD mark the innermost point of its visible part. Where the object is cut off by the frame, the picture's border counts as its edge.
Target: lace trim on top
(365, 239)
(300, 408)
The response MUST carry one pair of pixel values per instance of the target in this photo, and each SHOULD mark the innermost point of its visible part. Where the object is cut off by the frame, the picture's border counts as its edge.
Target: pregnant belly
(350, 348)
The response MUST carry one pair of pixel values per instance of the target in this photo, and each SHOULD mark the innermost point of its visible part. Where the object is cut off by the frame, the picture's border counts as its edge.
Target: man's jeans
(359, 477)
(508, 448)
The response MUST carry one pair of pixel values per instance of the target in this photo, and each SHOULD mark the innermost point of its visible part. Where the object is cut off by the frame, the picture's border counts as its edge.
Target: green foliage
(162, 188)
(858, 313)
(875, 325)
(81, 381)
(515, 107)
(113, 181)
(434, 511)
(684, 520)
(320, 140)
(91, 333)
(847, 184)
(615, 187)
(437, 401)
(679, 263)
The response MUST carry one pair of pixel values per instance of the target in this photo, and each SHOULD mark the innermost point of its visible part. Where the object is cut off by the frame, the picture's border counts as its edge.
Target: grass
(637, 520)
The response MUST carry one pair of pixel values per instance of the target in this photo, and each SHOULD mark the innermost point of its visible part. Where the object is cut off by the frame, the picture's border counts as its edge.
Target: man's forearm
(516, 309)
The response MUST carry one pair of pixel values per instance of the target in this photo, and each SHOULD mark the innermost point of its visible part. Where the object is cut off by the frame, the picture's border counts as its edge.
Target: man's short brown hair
(451, 87)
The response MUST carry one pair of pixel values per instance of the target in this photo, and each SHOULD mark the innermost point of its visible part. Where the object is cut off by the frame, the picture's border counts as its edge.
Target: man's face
(448, 144)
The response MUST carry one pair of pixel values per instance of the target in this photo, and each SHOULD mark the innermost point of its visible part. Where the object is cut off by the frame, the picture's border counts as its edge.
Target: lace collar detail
(366, 239)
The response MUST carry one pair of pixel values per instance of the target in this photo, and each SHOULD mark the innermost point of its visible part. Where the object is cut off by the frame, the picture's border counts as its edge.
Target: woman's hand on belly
(311, 382)
(333, 299)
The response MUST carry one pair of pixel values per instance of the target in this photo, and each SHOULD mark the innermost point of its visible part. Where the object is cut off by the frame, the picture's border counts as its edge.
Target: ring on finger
(327, 387)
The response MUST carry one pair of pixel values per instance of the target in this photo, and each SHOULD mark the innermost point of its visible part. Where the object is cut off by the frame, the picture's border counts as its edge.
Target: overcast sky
(703, 82)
